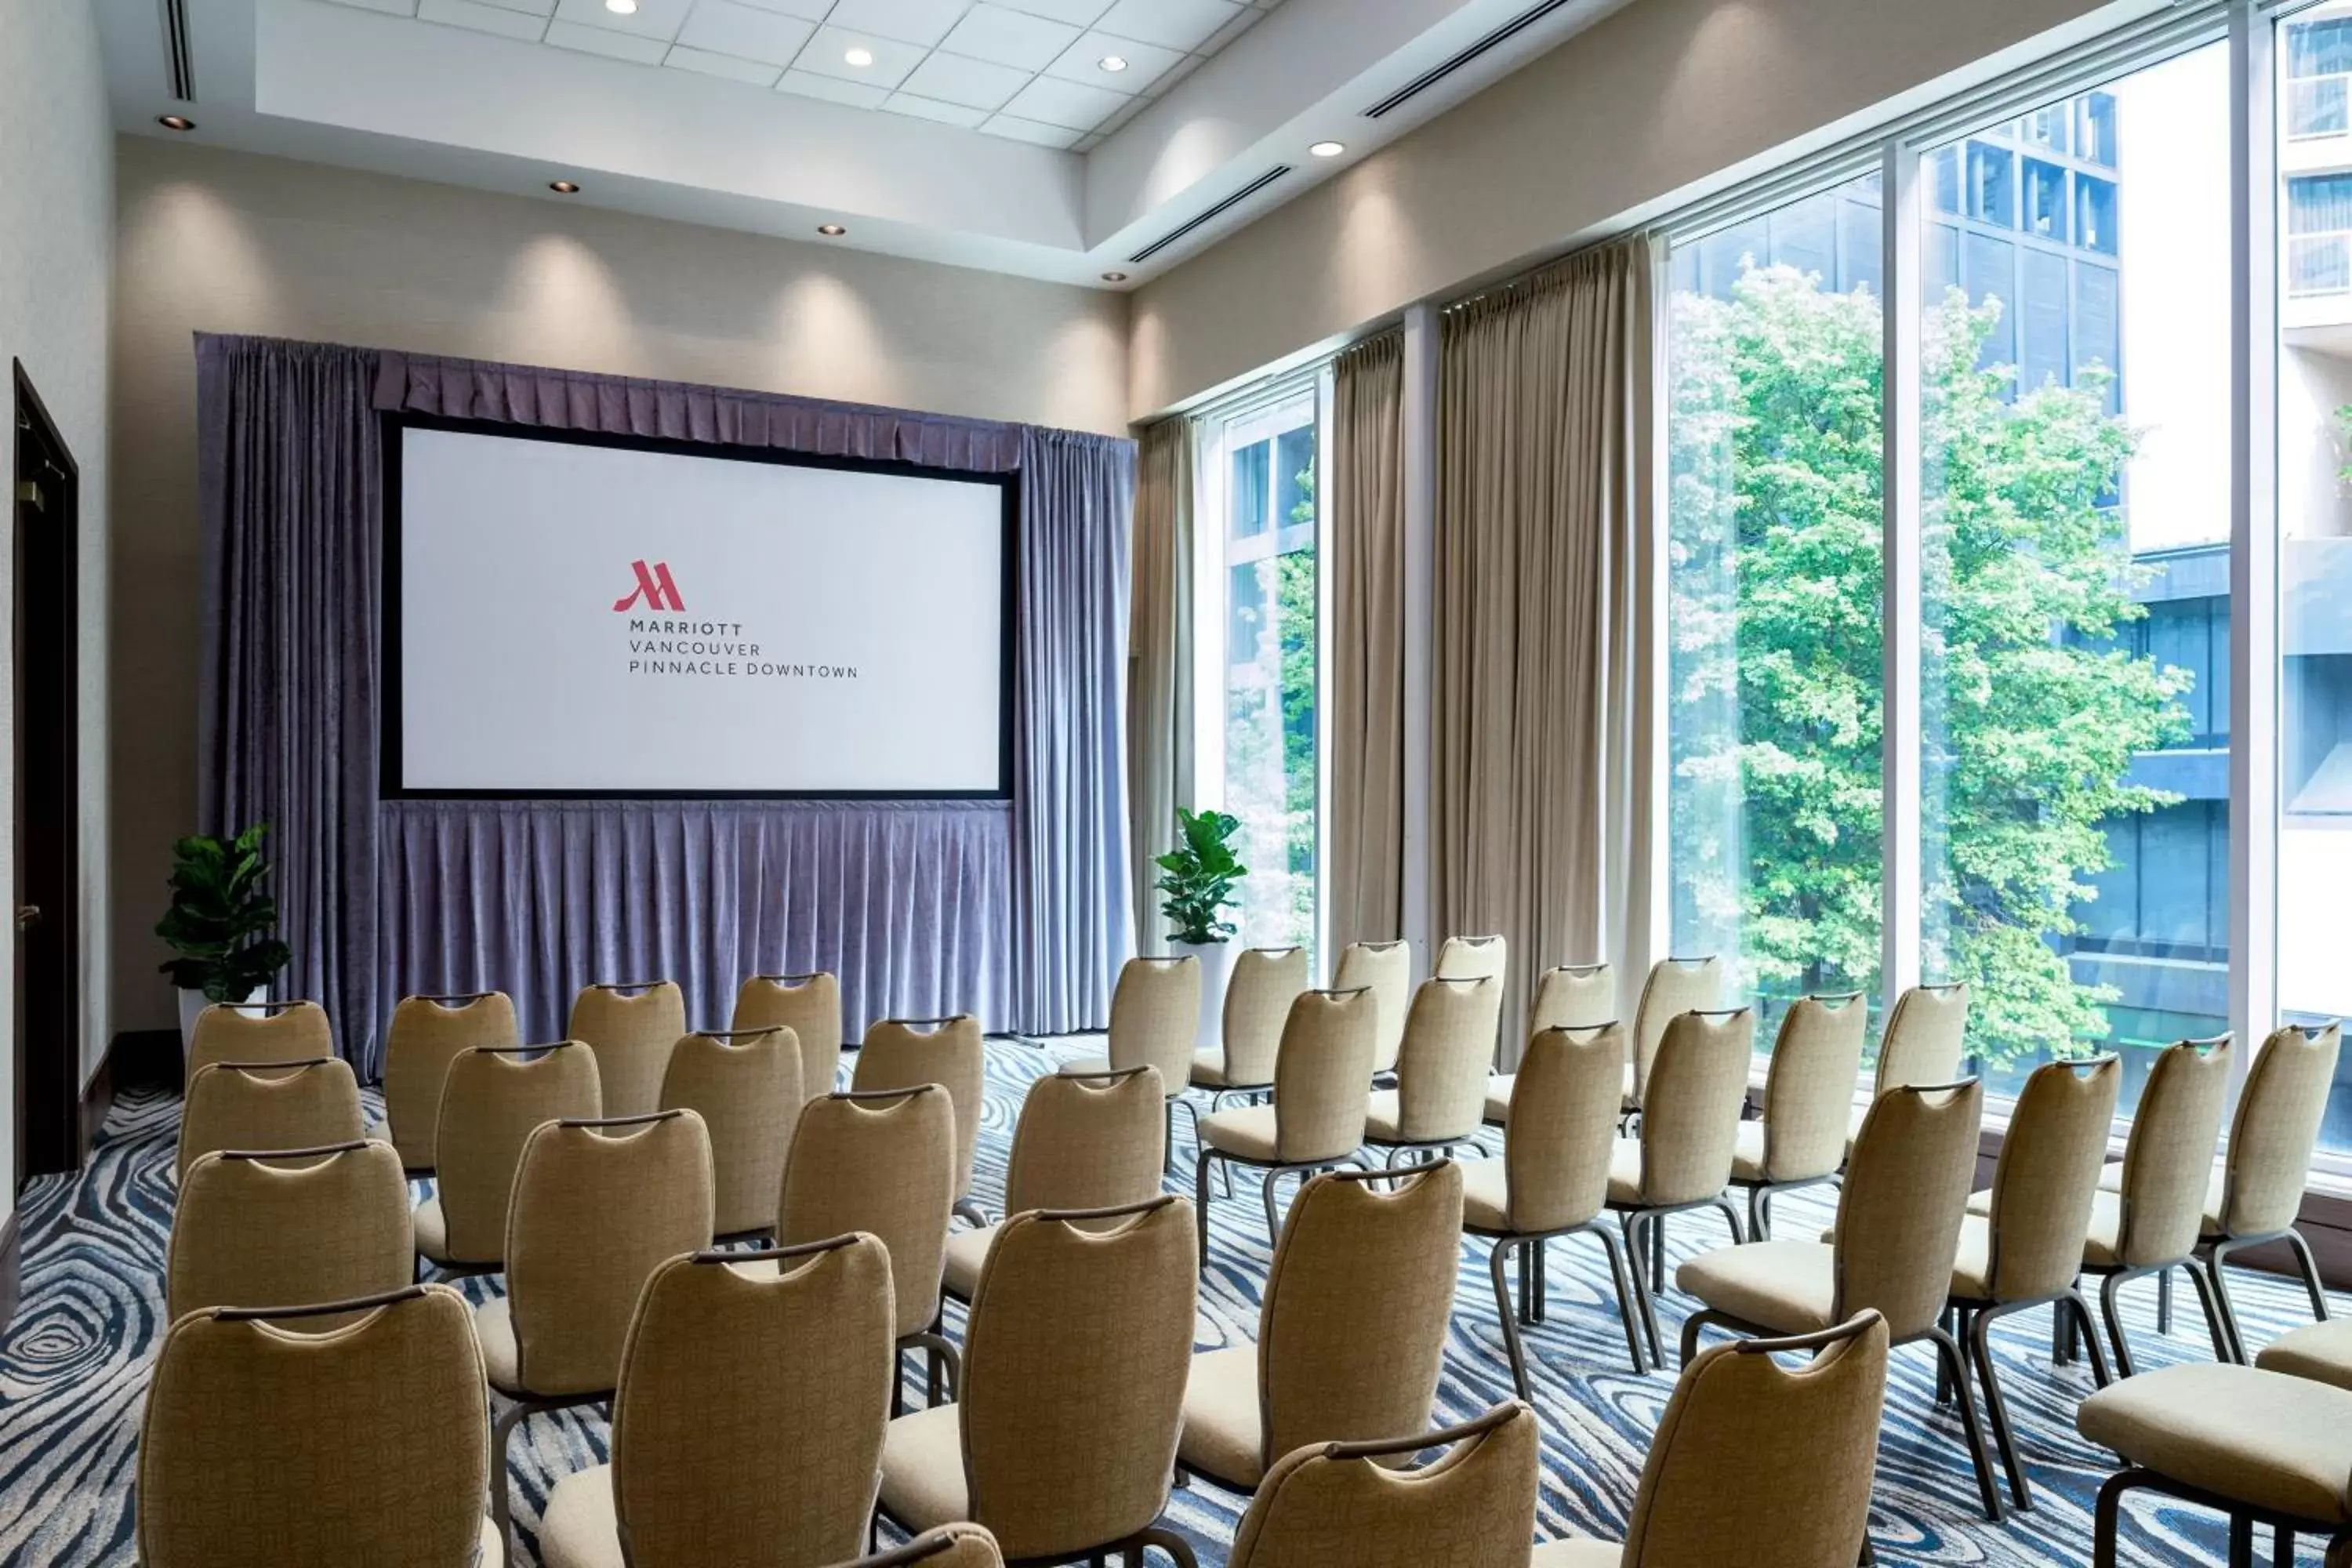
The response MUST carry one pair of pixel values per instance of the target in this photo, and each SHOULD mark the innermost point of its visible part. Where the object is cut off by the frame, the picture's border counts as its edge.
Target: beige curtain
(1367, 534)
(1543, 521)
(1160, 672)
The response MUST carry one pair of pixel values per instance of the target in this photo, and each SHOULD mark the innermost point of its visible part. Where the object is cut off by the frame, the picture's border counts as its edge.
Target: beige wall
(1652, 100)
(213, 241)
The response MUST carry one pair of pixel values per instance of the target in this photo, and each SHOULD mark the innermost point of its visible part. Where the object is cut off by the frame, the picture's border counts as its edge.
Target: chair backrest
(1905, 1200)
(262, 1106)
(426, 1034)
(1357, 1305)
(1155, 1017)
(766, 1452)
(900, 1052)
(1387, 968)
(494, 1097)
(884, 1162)
(1562, 1127)
(1474, 958)
(2168, 1158)
(1323, 1076)
(746, 1086)
(1573, 996)
(253, 1231)
(807, 1004)
(1472, 1507)
(1088, 1143)
(948, 1546)
(1927, 1035)
(1690, 1114)
(2048, 1176)
(2276, 1127)
(631, 1025)
(1755, 1462)
(1809, 1088)
(259, 1032)
(229, 1476)
(1449, 1045)
(1264, 982)
(1674, 986)
(598, 1206)
(1099, 1317)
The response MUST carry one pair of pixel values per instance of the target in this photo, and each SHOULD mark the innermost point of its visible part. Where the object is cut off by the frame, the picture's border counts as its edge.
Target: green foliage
(220, 917)
(1198, 875)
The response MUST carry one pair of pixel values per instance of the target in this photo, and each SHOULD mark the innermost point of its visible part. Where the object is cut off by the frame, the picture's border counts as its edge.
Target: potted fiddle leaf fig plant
(222, 923)
(1199, 877)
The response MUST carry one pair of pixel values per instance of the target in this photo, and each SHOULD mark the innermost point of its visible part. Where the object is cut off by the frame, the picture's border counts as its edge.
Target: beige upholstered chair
(807, 1004)
(1084, 1141)
(1674, 986)
(1258, 993)
(1440, 1093)
(1570, 996)
(1808, 1097)
(230, 1479)
(496, 1096)
(281, 1032)
(1155, 1015)
(881, 1162)
(1553, 1177)
(1386, 969)
(429, 1032)
(631, 1025)
(598, 1206)
(2321, 1351)
(747, 1089)
(1472, 1507)
(747, 1425)
(1758, 1463)
(1925, 1041)
(269, 1106)
(1350, 1329)
(1064, 1443)
(1474, 958)
(900, 1052)
(1683, 1158)
(2026, 1249)
(258, 1230)
(1898, 1226)
(949, 1546)
(1322, 1083)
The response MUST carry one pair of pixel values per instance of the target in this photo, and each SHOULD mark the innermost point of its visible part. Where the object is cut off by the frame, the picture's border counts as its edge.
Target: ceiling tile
(1079, 12)
(931, 109)
(1057, 102)
(1231, 30)
(1172, 23)
(722, 26)
(389, 7)
(827, 50)
(806, 10)
(1018, 130)
(653, 19)
(1010, 37)
(976, 84)
(924, 22)
(682, 57)
(605, 41)
(483, 19)
(528, 7)
(861, 95)
(1082, 62)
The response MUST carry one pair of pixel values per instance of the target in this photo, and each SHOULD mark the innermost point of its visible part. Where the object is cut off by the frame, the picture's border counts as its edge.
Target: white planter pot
(193, 1003)
(1216, 966)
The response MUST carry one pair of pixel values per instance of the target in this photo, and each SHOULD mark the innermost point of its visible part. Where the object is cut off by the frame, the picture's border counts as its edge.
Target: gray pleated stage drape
(1016, 912)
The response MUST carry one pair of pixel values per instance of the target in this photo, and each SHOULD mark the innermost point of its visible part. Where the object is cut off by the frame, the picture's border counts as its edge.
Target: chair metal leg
(2310, 1267)
(1542, 1279)
(2081, 1310)
(1624, 1297)
(1495, 1263)
(2004, 1439)
(2241, 1541)
(2108, 1287)
(1697, 1323)
(2163, 1302)
(1168, 1540)
(968, 1207)
(1527, 1291)
(1942, 1376)
(1953, 1367)
(1655, 1224)
(502, 1477)
(1646, 1229)
(1730, 1211)
(943, 1357)
(1200, 1200)
(1273, 1219)
(2107, 1519)
(1759, 1221)
(2214, 1324)
(2282, 1547)
(2214, 1261)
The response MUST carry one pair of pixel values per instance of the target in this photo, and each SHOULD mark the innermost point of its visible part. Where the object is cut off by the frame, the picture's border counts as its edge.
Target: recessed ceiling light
(860, 56)
(1113, 62)
(175, 122)
(1114, 277)
(564, 187)
(1328, 149)
(622, 7)
(831, 230)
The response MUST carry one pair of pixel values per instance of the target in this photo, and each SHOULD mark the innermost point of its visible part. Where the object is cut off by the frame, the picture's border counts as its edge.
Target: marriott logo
(655, 588)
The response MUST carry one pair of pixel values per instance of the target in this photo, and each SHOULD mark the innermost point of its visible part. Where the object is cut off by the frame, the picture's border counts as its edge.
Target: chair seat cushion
(1787, 1287)
(1486, 1196)
(1748, 1152)
(1209, 1072)
(2320, 1352)
(1087, 1067)
(1499, 1097)
(2258, 1438)
(494, 1546)
(1221, 1435)
(580, 1526)
(1384, 1115)
(1577, 1553)
(1248, 1131)
(431, 1228)
(1626, 1172)
(1972, 1259)
(922, 1468)
(967, 1250)
(501, 1357)
(1629, 1101)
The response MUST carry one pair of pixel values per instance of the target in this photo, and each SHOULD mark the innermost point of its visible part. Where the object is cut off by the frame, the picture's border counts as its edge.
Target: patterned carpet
(73, 1375)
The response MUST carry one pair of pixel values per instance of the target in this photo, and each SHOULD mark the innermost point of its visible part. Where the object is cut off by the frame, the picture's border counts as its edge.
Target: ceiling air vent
(1214, 212)
(177, 65)
(1439, 72)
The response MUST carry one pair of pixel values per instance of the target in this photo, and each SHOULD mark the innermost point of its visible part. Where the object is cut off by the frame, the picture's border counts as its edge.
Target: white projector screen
(575, 617)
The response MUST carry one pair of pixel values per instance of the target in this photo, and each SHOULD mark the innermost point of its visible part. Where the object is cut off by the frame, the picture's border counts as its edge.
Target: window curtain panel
(1540, 699)
(1160, 682)
(1367, 885)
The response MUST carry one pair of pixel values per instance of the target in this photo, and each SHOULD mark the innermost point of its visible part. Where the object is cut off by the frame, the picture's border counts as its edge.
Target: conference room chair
(1682, 1159)
(1440, 1098)
(1553, 1178)
(1923, 1042)
(1084, 1141)
(902, 1053)
(496, 1096)
(1063, 1443)
(1258, 995)
(1322, 1088)
(269, 1106)
(1350, 1329)
(598, 1206)
(949, 1546)
(1385, 968)
(246, 1450)
(1898, 1228)
(746, 1086)
(1155, 1017)
(327, 1223)
(631, 1025)
(881, 1162)
(1755, 1462)
(1800, 1140)
(426, 1034)
(2026, 1249)
(282, 1032)
(1673, 987)
(1567, 996)
(1365, 1505)
(810, 1006)
(2321, 1351)
(748, 1424)
(1473, 958)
